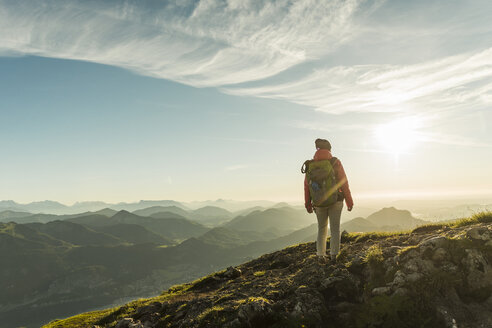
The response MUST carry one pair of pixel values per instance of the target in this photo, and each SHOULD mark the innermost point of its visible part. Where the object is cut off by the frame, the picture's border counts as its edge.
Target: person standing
(330, 204)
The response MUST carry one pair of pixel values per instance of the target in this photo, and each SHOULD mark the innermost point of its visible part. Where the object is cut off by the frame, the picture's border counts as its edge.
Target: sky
(195, 100)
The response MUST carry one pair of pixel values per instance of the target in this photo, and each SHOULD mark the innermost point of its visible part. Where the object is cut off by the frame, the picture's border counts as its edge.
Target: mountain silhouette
(277, 220)
(75, 234)
(149, 211)
(8, 215)
(434, 276)
(391, 216)
(133, 234)
(359, 225)
(169, 228)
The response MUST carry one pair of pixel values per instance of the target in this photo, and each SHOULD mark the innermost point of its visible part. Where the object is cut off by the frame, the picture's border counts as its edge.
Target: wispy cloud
(200, 43)
(329, 127)
(236, 167)
(250, 140)
(225, 43)
(455, 140)
(386, 88)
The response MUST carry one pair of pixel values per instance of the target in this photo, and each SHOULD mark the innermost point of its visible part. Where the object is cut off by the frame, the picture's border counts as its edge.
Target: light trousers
(332, 212)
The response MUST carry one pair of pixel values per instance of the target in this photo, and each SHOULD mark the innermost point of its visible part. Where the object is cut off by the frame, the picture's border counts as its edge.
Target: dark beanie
(322, 144)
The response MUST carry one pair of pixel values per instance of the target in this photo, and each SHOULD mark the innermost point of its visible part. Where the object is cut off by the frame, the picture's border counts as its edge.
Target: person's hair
(322, 144)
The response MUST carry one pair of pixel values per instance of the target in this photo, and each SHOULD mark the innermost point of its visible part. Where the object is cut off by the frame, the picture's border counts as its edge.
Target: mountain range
(54, 207)
(85, 260)
(437, 275)
(386, 219)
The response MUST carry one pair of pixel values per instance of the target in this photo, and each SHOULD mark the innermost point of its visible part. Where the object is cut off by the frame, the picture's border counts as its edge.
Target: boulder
(438, 241)
(381, 291)
(399, 279)
(479, 233)
(232, 273)
(129, 323)
(400, 291)
(254, 310)
(440, 255)
(479, 272)
(330, 281)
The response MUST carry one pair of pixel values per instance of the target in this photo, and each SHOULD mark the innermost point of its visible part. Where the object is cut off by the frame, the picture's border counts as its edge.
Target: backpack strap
(333, 161)
(305, 166)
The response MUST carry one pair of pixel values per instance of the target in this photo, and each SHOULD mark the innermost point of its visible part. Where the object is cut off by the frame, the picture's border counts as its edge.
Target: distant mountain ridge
(359, 225)
(434, 276)
(386, 219)
(273, 219)
(149, 211)
(46, 206)
(53, 207)
(25, 217)
(390, 216)
(209, 215)
(67, 260)
(9, 214)
(169, 228)
(75, 234)
(212, 212)
(134, 234)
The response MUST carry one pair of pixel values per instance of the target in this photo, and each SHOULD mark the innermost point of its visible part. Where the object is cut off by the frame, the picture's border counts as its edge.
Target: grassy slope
(110, 317)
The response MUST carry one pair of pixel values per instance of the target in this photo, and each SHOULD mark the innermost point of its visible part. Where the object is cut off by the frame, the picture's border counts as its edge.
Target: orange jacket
(322, 154)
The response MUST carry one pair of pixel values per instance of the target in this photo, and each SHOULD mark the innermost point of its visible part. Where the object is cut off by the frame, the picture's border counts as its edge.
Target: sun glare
(398, 136)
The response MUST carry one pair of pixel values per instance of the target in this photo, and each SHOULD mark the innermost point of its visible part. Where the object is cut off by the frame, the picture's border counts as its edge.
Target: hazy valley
(55, 265)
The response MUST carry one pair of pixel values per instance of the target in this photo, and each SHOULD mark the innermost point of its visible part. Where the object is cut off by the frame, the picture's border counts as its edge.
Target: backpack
(322, 183)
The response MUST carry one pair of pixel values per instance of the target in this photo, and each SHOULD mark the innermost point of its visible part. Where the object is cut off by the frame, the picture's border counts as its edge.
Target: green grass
(224, 297)
(113, 315)
(259, 273)
(125, 311)
(210, 312)
(342, 255)
(177, 289)
(252, 299)
(481, 217)
(374, 255)
(80, 321)
(183, 288)
(7, 228)
(359, 237)
(375, 259)
(181, 307)
(407, 249)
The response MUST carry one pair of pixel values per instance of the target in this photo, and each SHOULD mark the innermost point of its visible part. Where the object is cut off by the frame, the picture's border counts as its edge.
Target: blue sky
(194, 100)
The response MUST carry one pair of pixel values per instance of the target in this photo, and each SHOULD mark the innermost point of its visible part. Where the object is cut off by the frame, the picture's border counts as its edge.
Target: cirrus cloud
(242, 47)
(199, 43)
(450, 81)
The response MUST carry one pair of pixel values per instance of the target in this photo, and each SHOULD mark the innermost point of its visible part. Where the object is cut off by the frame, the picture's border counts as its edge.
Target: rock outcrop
(434, 276)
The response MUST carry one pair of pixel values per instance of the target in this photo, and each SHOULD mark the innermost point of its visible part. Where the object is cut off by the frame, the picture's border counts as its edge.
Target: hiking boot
(323, 259)
(333, 259)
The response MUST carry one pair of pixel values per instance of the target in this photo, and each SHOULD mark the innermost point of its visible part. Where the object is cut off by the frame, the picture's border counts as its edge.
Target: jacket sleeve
(307, 196)
(342, 178)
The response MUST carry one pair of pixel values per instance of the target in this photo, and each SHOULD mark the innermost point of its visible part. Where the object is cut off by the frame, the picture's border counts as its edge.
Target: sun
(398, 136)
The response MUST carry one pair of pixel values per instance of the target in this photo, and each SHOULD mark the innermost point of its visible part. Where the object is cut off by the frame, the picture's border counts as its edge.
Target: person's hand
(350, 204)
(309, 207)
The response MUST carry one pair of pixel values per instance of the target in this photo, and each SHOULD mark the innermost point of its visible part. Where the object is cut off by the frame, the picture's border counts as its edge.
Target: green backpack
(322, 183)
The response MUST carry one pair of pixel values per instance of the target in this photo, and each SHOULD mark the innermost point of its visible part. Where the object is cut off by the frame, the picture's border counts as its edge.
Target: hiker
(325, 188)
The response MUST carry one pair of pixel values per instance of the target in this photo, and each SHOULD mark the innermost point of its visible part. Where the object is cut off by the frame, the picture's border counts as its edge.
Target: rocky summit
(437, 275)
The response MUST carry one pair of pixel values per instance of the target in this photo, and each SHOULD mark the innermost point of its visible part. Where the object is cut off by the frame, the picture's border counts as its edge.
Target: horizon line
(413, 195)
